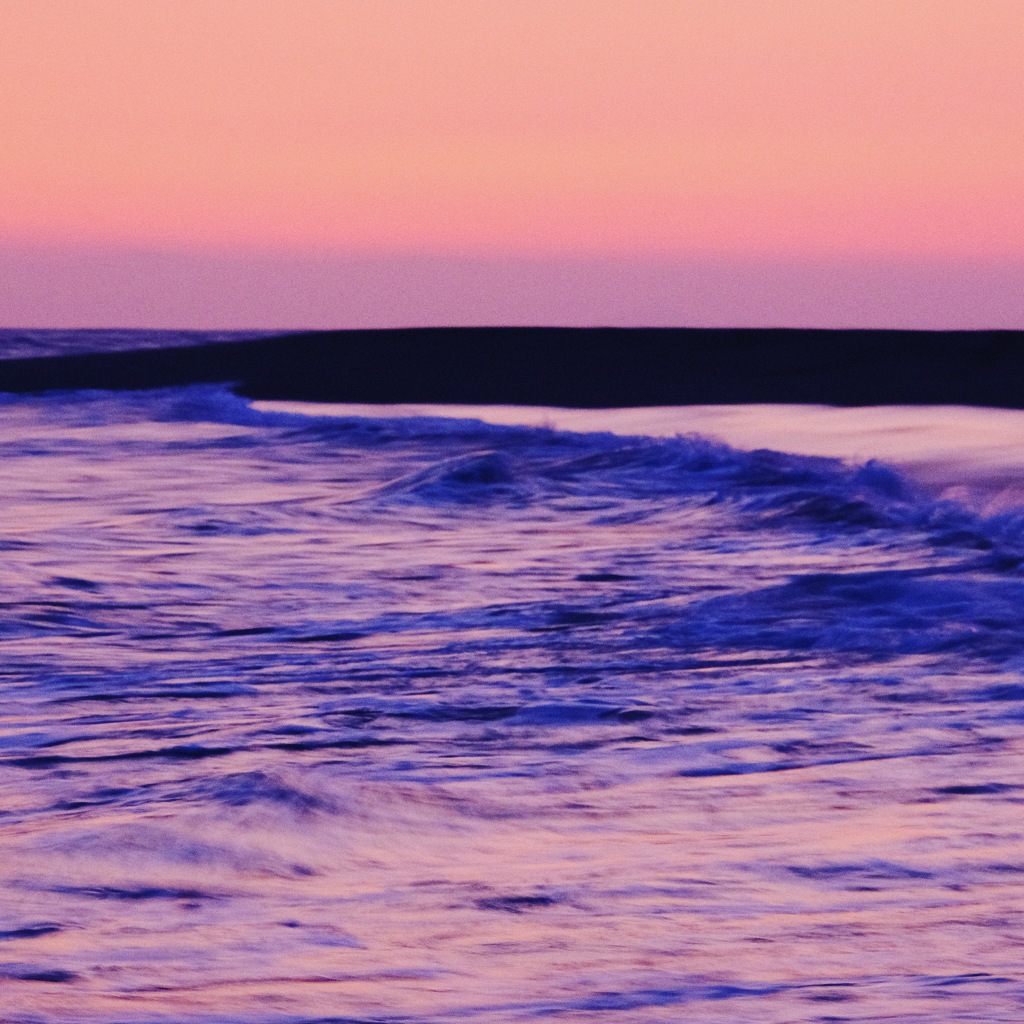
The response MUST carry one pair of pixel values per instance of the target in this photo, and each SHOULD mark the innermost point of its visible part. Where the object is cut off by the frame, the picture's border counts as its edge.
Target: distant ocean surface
(324, 714)
(33, 343)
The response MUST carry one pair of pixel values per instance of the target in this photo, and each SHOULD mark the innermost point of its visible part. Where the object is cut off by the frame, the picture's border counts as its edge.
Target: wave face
(371, 719)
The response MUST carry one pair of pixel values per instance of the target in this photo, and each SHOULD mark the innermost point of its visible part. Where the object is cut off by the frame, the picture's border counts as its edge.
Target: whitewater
(346, 714)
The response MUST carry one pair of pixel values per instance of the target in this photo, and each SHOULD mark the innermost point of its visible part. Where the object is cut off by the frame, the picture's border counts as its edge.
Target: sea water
(308, 716)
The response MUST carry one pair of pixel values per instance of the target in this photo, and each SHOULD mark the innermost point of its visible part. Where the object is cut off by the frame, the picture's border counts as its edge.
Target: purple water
(338, 718)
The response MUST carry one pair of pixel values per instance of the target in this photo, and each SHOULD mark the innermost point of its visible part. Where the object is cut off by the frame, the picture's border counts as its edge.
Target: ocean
(320, 713)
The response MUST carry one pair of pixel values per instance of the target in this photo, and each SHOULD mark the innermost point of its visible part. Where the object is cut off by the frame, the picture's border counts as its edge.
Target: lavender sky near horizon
(113, 288)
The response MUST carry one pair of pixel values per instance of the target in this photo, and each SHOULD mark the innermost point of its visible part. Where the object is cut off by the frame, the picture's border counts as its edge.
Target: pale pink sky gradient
(773, 157)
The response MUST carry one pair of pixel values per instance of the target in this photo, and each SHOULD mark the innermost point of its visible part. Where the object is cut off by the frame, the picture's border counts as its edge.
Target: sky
(307, 163)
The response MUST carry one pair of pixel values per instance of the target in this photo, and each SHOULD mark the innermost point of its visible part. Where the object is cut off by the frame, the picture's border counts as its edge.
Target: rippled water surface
(370, 719)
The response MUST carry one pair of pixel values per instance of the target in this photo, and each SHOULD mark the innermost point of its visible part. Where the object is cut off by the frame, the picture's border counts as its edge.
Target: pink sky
(775, 157)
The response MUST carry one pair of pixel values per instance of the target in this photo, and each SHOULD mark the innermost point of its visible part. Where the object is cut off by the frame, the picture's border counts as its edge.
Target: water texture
(311, 719)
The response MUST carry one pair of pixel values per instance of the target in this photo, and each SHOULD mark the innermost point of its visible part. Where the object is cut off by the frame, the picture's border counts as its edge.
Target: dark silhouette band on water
(571, 367)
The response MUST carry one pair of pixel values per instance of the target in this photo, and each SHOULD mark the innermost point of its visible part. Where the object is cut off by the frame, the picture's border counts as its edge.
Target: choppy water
(423, 720)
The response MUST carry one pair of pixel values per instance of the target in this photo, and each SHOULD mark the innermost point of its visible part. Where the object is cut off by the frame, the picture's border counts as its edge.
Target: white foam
(971, 455)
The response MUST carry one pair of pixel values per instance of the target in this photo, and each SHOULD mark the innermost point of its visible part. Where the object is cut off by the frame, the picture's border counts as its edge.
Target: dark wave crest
(570, 367)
